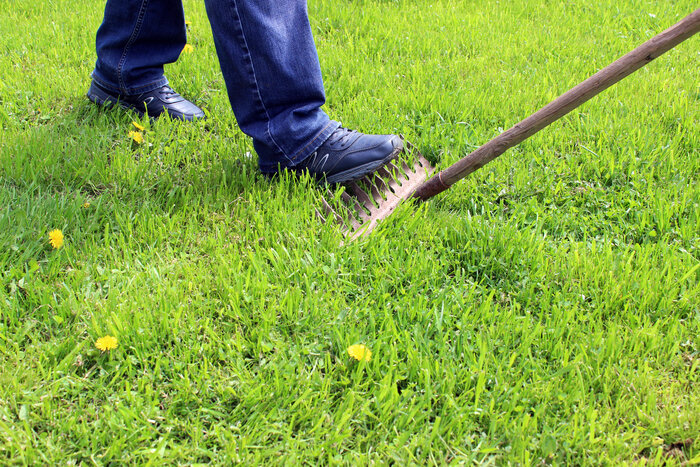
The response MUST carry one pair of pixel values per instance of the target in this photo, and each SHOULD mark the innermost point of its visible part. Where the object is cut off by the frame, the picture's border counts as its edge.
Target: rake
(364, 203)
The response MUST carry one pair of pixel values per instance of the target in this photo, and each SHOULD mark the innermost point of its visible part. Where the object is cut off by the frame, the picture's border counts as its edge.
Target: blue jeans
(267, 55)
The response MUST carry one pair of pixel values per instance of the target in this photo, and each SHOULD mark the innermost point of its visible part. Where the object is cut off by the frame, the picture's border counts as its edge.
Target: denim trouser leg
(273, 77)
(135, 40)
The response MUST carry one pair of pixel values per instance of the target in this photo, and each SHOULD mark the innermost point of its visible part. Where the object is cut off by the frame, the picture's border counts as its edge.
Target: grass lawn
(546, 310)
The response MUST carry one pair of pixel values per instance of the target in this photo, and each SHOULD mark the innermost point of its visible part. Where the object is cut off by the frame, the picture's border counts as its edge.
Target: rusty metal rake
(366, 202)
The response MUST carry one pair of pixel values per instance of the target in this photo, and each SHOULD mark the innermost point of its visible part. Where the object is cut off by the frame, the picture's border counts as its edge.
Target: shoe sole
(363, 170)
(101, 98)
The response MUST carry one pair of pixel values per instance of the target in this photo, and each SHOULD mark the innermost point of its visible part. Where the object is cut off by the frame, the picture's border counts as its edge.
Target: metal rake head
(365, 202)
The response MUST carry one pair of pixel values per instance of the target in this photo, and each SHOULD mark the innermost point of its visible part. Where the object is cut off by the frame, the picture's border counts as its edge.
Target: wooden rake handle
(562, 105)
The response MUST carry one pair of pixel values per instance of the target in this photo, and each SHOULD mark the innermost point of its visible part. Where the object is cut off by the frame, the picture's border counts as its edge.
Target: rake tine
(383, 172)
(381, 184)
(346, 197)
(423, 162)
(368, 187)
(389, 180)
(361, 194)
(395, 172)
(395, 183)
(369, 200)
(393, 167)
(360, 213)
(411, 149)
(327, 209)
(352, 221)
(330, 212)
(321, 216)
(406, 169)
(376, 194)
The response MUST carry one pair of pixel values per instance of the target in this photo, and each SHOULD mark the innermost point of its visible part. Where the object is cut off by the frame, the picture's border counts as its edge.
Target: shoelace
(346, 135)
(340, 137)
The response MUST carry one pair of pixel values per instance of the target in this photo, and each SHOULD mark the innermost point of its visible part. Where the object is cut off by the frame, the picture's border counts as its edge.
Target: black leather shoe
(155, 103)
(350, 155)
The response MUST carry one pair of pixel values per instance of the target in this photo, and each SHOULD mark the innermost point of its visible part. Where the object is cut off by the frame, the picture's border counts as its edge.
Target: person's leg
(273, 77)
(135, 40)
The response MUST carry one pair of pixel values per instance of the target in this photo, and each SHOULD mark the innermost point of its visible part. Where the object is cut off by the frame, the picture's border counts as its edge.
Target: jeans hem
(132, 91)
(303, 153)
(315, 142)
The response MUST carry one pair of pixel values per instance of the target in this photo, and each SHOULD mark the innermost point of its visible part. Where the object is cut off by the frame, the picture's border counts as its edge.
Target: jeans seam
(134, 34)
(255, 81)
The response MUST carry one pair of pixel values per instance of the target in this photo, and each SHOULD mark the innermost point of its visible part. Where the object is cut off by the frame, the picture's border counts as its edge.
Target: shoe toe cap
(373, 152)
(378, 147)
(184, 110)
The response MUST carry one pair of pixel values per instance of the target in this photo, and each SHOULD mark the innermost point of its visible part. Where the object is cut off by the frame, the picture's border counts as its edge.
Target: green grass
(546, 310)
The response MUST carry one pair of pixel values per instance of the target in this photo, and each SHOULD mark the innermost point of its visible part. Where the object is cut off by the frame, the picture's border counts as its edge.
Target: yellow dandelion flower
(360, 352)
(188, 48)
(86, 204)
(137, 136)
(188, 23)
(138, 126)
(106, 343)
(56, 238)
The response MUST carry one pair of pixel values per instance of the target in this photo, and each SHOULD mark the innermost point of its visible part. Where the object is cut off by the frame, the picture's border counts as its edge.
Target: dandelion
(86, 204)
(187, 49)
(106, 343)
(188, 23)
(137, 136)
(56, 238)
(360, 352)
(138, 126)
